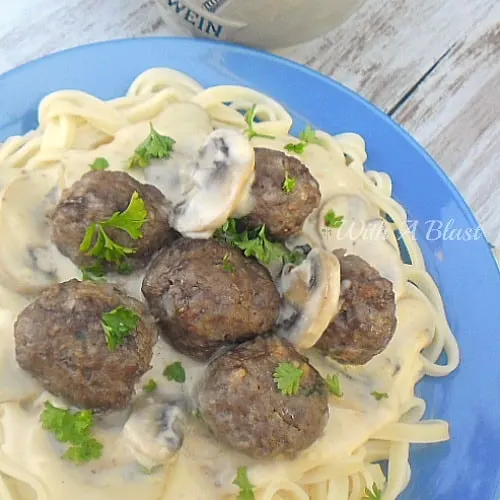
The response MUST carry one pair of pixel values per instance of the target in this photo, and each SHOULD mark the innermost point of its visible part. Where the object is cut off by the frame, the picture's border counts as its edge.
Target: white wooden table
(434, 65)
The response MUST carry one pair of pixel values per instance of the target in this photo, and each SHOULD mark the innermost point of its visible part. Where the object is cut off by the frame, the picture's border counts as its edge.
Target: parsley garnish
(255, 243)
(95, 272)
(287, 377)
(154, 146)
(307, 136)
(175, 372)
(374, 494)
(72, 428)
(333, 383)
(99, 164)
(333, 220)
(250, 119)
(227, 264)
(150, 386)
(244, 484)
(96, 242)
(296, 147)
(289, 183)
(380, 395)
(125, 268)
(118, 325)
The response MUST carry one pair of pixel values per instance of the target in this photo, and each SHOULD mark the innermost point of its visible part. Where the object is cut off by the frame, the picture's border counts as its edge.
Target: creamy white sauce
(202, 468)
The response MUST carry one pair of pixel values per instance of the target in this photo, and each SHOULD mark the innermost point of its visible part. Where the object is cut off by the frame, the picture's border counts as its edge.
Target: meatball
(282, 212)
(366, 319)
(60, 340)
(96, 197)
(241, 404)
(206, 294)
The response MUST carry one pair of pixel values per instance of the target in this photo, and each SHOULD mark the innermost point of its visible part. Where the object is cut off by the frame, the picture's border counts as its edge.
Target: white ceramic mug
(260, 23)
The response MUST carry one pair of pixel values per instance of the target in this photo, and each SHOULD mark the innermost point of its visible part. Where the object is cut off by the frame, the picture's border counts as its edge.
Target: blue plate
(468, 467)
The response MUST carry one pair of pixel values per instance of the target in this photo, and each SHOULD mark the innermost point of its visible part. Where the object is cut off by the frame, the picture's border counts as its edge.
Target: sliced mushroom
(155, 430)
(27, 262)
(311, 293)
(221, 182)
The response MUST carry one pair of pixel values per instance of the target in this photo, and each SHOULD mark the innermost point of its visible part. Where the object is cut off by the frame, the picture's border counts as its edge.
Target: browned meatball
(60, 340)
(96, 197)
(206, 294)
(367, 316)
(243, 407)
(282, 212)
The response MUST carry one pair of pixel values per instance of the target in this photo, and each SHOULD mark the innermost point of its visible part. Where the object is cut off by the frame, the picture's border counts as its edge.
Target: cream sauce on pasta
(76, 130)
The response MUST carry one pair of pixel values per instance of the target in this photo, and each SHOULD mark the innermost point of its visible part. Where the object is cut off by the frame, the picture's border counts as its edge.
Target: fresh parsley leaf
(95, 272)
(380, 395)
(97, 243)
(250, 119)
(125, 268)
(227, 264)
(118, 325)
(308, 135)
(287, 377)
(150, 386)
(175, 372)
(154, 146)
(99, 164)
(244, 484)
(333, 383)
(75, 429)
(255, 243)
(333, 220)
(374, 494)
(289, 183)
(131, 219)
(297, 147)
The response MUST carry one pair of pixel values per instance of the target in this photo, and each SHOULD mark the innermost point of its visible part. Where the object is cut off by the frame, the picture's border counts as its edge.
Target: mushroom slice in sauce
(222, 178)
(26, 253)
(311, 293)
(155, 430)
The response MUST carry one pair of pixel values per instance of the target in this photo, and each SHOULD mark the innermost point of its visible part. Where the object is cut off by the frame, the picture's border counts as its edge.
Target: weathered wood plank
(455, 114)
(389, 44)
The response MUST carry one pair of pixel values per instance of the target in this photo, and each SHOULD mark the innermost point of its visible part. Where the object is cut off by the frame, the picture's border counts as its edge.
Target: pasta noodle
(74, 129)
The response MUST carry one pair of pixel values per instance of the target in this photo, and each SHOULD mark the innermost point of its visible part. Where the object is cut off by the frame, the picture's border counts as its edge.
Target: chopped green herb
(197, 414)
(289, 183)
(97, 243)
(307, 136)
(244, 484)
(154, 146)
(149, 470)
(99, 164)
(175, 372)
(150, 386)
(75, 429)
(95, 272)
(374, 494)
(227, 264)
(380, 395)
(118, 325)
(250, 119)
(333, 220)
(255, 243)
(333, 383)
(297, 147)
(287, 377)
(125, 268)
